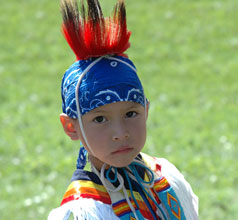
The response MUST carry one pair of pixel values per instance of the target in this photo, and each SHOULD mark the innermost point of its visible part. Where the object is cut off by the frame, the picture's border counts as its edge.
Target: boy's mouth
(123, 150)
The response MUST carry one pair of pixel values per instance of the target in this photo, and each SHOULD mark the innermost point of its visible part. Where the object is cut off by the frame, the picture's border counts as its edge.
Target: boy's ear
(147, 108)
(69, 125)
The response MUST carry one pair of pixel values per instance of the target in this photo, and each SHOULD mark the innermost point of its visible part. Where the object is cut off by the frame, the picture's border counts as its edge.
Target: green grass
(186, 54)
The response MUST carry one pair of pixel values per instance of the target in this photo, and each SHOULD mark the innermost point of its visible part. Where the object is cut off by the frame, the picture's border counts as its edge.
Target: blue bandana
(112, 79)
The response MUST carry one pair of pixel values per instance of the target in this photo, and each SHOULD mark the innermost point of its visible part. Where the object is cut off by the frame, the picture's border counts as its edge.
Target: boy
(104, 107)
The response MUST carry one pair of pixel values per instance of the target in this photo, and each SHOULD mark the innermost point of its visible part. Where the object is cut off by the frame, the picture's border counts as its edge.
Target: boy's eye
(131, 114)
(99, 119)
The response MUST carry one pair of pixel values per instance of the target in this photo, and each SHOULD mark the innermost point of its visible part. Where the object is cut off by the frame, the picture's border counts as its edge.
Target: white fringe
(83, 209)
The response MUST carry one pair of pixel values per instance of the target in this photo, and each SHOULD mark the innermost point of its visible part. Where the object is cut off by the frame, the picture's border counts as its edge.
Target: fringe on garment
(83, 209)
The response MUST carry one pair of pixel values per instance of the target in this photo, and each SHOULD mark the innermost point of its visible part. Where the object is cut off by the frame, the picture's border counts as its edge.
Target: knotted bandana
(112, 79)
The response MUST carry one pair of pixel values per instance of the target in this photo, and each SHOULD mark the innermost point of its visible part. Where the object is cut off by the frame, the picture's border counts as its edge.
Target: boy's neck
(96, 162)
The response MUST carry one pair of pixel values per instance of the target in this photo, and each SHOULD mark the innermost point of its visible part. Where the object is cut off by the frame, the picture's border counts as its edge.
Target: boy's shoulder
(86, 185)
(176, 180)
(85, 198)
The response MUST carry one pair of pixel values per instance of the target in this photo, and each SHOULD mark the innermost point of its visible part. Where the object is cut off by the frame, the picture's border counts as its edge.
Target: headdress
(102, 73)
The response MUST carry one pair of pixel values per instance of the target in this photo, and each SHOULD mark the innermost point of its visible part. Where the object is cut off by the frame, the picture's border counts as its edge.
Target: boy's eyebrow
(132, 107)
(98, 111)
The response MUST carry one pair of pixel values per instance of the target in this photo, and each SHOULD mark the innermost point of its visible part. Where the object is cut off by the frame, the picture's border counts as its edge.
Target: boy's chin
(123, 160)
(121, 163)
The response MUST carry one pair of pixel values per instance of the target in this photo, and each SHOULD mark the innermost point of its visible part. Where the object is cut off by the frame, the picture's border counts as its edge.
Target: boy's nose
(120, 137)
(120, 132)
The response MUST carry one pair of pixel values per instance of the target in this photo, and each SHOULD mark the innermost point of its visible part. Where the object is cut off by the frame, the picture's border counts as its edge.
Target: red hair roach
(89, 34)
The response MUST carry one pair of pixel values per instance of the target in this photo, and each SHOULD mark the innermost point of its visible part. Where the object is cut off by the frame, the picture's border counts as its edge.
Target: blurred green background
(186, 54)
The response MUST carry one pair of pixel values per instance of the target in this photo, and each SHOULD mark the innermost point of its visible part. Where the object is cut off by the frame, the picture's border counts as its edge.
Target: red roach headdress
(89, 34)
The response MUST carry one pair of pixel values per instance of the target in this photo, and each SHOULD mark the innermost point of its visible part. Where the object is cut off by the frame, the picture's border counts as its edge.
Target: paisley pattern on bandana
(108, 81)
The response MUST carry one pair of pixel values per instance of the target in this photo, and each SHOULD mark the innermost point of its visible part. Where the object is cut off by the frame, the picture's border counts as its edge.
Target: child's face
(116, 133)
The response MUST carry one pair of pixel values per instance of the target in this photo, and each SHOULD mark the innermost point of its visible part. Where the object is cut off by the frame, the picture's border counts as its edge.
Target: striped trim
(161, 185)
(86, 189)
(122, 208)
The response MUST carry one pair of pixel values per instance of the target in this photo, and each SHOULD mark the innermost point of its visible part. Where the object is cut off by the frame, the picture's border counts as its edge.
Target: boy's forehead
(123, 105)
